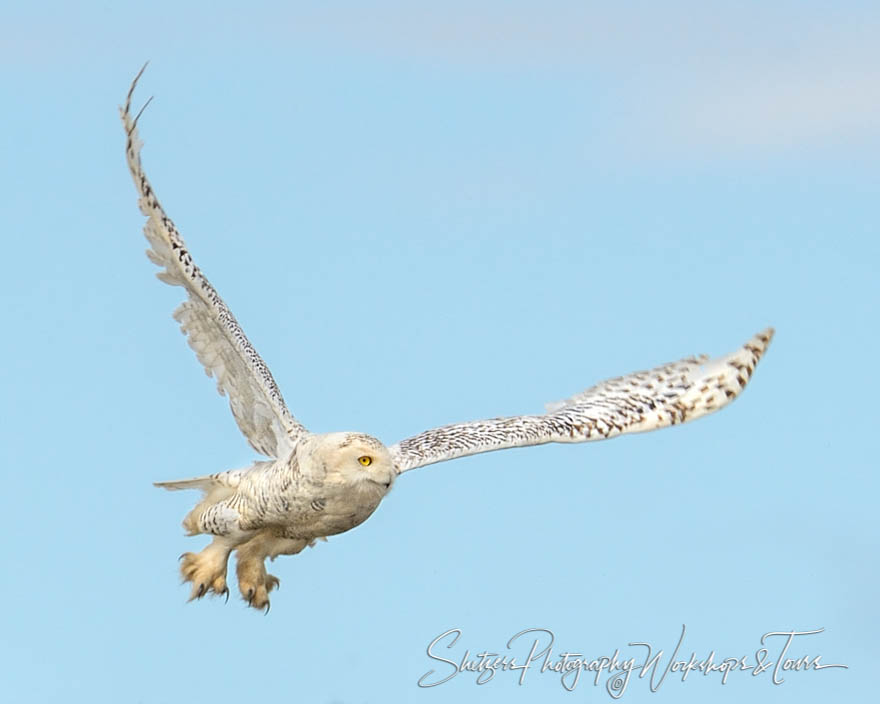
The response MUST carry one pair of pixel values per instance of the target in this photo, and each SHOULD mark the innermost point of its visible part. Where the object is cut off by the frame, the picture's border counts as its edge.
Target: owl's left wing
(213, 332)
(666, 395)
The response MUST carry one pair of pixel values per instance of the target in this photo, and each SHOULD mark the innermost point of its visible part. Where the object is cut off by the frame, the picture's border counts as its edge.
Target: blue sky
(421, 214)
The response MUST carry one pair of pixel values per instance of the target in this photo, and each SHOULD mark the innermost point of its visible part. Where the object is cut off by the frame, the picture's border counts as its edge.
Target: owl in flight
(316, 485)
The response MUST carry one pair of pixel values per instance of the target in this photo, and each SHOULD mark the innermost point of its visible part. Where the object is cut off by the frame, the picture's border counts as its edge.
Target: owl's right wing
(214, 334)
(670, 394)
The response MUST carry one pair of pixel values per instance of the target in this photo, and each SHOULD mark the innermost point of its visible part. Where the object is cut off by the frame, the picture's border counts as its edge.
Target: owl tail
(228, 480)
(204, 483)
(214, 489)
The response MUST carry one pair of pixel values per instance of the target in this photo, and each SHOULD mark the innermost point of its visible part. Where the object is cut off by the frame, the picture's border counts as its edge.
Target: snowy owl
(317, 485)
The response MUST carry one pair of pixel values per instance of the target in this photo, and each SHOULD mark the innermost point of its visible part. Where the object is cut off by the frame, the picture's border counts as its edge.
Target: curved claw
(206, 571)
(197, 593)
(268, 606)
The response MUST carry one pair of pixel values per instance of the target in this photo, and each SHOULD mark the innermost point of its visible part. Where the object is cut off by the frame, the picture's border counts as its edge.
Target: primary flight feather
(317, 485)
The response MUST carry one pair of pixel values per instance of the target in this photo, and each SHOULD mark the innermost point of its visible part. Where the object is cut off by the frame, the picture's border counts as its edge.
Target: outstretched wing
(214, 334)
(672, 393)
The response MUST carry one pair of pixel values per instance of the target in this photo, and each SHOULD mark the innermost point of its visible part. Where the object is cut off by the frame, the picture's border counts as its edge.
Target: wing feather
(212, 331)
(666, 395)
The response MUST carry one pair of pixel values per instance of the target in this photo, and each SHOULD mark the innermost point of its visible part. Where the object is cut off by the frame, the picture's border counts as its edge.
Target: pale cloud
(784, 107)
(684, 76)
(698, 76)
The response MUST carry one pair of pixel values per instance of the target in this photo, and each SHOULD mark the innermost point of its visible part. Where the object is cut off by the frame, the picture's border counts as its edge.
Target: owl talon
(258, 598)
(206, 570)
(254, 583)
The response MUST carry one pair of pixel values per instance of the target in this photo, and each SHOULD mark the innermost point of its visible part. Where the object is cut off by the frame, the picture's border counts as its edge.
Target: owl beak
(383, 485)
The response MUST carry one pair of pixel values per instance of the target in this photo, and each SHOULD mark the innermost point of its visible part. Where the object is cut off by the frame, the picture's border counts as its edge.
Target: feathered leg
(207, 569)
(253, 580)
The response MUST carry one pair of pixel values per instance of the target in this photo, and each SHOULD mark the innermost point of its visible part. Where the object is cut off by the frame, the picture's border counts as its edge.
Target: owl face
(353, 459)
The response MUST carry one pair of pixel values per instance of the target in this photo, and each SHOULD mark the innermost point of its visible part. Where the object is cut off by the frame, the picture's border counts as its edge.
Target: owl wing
(213, 332)
(666, 395)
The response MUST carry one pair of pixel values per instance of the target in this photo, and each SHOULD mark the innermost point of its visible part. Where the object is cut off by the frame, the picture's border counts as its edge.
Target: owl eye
(366, 460)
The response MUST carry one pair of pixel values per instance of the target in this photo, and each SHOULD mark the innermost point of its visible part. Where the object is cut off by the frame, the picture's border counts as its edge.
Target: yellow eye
(366, 460)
